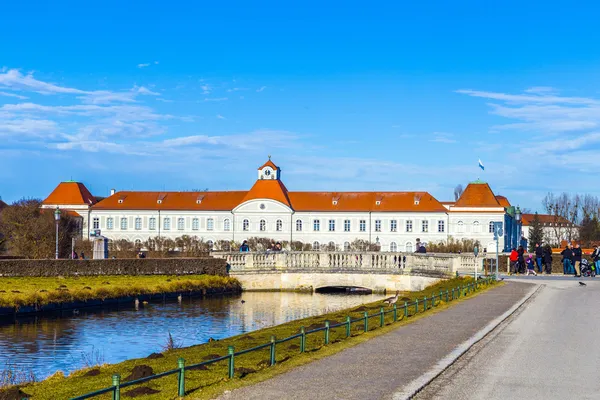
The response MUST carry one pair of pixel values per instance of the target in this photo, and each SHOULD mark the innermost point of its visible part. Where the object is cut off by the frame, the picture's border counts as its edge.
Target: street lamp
(518, 216)
(476, 252)
(57, 220)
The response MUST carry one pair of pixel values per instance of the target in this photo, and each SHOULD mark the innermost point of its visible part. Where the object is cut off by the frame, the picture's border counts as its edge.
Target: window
(109, 223)
(245, 225)
(210, 244)
(96, 223)
(180, 224)
(347, 225)
(441, 226)
(346, 246)
(393, 225)
(152, 224)
(315, 246)
(491, 229)
(409, 247)
(409, 226)
(279, 225)
(460, 227)
(332, 225)
(424, 226)
(123, 224)
(210, 224)
(167, 224)
(331, 246)
(298, 225)
(195, 224)
(362, 226)
(227, 225)
(377, 225)
(138, 224)
(316, 226)
(393, 247)
(263, 225)
(476, 228)
(138, 244)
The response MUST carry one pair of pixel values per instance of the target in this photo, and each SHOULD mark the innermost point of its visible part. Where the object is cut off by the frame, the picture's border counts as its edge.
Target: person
(521, 259)
(514, 260)
(596, 259)
(244, 248)
(577, 260)
(82, 256)
(277, 247)
(539, 256)
(530, 266)
(566, 254)
(74, 256)
(548, 259)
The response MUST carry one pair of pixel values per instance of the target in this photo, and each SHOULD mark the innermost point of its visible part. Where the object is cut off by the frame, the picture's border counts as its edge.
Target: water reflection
(50, 343)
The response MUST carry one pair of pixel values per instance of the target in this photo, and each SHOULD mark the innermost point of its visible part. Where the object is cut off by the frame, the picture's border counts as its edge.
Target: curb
(416, 385)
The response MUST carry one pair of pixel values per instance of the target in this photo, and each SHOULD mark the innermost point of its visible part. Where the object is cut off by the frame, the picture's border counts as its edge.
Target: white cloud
(236, 89)
(18, 96)
(219, 116)
(143, 65)
(540, 89)
(15, 80)
(260, 89)
(28, 127)
(441, 137)
(206, 89)
(215, 99)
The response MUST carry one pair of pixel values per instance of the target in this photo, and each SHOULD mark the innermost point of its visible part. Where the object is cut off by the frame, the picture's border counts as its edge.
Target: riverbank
(37, 292)
(212, 378)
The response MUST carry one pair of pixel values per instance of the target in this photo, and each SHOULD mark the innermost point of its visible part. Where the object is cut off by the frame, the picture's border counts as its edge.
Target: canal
(46, 344)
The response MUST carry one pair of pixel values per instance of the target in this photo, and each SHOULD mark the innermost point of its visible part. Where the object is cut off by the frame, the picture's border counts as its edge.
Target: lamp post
(518, 216)
(476, 252)
(57, 220)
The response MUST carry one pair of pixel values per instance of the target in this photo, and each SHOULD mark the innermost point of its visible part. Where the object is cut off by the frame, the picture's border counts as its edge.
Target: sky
(345, 96)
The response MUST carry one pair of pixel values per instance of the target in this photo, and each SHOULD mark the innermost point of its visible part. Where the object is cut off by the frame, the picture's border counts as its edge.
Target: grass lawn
(209, 381)
(28, 291)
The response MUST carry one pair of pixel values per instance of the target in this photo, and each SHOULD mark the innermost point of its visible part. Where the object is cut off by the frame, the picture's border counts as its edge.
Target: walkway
(548, 350)
(385, 365)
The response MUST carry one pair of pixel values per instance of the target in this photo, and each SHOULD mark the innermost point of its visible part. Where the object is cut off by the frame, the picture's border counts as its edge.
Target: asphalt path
(547, 350)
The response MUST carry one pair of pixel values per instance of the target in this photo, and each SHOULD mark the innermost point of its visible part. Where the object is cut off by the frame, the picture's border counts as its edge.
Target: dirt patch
(242, 371)
(155, 356)
(263, 364)
(249, 337)
(359, 327)
(138, 372)
(210, 357)
(407, 299)
(361, 308)
(294, 347)
(198, 368)
(93, 372)
(13, 393)
(140, 391)
(284, 359)
(314, 326)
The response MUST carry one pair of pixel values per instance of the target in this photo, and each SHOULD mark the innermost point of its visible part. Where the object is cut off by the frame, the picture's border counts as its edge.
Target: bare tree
(458, 191)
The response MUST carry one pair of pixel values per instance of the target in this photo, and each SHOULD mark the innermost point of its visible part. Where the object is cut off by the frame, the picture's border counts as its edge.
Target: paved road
(549, 350)
(386, 365)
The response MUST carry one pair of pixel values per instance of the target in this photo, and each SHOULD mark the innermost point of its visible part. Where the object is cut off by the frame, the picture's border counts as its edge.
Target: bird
(582, 284)
(392, 300)
(243, 301)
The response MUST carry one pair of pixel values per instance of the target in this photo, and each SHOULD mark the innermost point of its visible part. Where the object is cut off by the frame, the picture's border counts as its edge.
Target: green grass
(251, 367)
(28, 291)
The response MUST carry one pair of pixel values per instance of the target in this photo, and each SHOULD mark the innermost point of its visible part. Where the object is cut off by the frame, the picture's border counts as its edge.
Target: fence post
(348, 322)
(446, 295)
(424, 303)
(395, 313)
(441, 293)
(272, 350)
(381, 317)
(181, 365)
(326, 332)
(302, 340)
(231, 352)
(405, 309)
(366, 323)
(416, 306)
(116, 381)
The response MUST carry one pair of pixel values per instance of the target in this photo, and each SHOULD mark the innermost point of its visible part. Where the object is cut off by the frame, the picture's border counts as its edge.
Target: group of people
(573, 257)
(273, 246)
(521, 264)
(74, 256)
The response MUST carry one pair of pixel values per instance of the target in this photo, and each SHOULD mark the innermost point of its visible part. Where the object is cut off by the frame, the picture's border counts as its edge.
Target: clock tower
(269, 171)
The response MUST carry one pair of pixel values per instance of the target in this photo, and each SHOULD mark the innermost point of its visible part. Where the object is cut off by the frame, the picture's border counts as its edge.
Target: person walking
(577, 260)
(539, 256)
(244, 248)
(548, 259)
(596, 259)
(530, 266)
(521, 259)
(567, 254)
(514, 260)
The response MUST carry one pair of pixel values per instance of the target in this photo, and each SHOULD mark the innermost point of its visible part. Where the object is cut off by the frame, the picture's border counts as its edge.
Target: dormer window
(122, 199)
(158, 201)
(334, 202)
(378, 202)
(417, 200)
(199, 199)
(161, 197)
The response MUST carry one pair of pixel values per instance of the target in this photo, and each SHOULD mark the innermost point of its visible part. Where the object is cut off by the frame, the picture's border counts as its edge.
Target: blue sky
(344, 96)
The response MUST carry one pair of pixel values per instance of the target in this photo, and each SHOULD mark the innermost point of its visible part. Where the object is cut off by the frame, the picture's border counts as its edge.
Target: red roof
(218, 201)
(365, 201)
(545, 219)
(70, 193)
(268, 164)
(503, 201)
(477, 194)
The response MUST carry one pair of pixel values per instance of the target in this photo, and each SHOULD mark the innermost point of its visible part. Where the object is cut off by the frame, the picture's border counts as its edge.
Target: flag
(481, 165)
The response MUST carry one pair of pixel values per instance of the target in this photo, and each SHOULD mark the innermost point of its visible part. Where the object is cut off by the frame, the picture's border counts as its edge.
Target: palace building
(394, 220)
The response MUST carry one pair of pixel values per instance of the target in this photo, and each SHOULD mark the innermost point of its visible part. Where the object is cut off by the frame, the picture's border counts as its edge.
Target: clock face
(268, 172)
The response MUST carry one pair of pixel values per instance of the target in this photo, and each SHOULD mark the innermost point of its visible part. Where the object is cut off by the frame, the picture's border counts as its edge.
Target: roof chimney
(112, 191)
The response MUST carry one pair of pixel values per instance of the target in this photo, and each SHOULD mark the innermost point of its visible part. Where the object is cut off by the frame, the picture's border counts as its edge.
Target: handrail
(428, 303)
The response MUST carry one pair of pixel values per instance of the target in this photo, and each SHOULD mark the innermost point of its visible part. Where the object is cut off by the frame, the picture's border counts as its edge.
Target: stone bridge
(376, 271)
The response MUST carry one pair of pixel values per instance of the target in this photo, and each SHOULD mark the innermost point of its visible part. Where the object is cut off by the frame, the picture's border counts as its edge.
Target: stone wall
(147, 266)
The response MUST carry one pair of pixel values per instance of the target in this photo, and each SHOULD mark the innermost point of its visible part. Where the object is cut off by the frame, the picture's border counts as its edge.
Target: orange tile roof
(268, 164)
(70, 193)
(365, 201)
(477, 194)
(545, 219)
(272, 189)
(503, 201)
(218, 201)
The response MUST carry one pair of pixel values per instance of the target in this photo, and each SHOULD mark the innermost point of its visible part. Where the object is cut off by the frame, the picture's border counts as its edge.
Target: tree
(458, 190)
(589, 230)
(536, 233)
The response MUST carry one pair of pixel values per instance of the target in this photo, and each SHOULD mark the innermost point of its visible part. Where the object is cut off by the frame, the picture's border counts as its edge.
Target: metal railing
(406, 310)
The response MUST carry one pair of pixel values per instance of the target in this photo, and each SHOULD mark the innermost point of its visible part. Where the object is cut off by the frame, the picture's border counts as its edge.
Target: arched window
(138, 244)
(476, 228)
(227, 225)
(279, 225)
(409, 247)
(152, 224)
(195, 224)
(210, 224)
(331, 246)
(393, 247)
(315, 246)
(109, 223)
(460, 227)
(123, 224)
(180, 224)
(263, 225)
(299, 225)
(245, 225)
(167, 224)
(346, 246)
